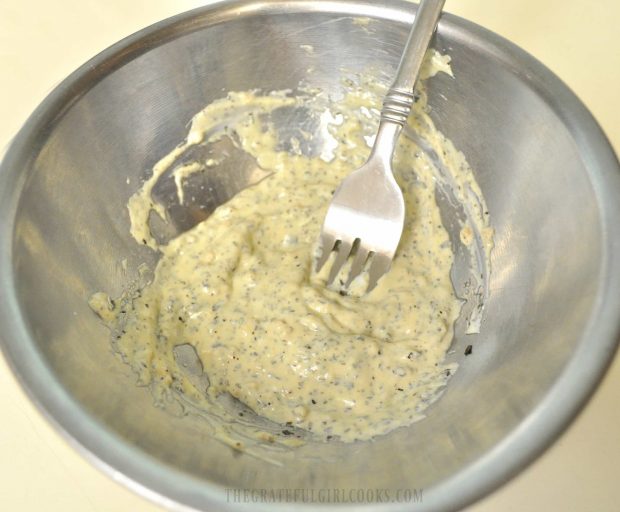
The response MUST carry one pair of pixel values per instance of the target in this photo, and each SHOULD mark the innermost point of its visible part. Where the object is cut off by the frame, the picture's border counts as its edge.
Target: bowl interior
(71, 232)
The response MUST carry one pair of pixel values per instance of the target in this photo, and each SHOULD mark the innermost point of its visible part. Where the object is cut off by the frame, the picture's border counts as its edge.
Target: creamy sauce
(240, 287)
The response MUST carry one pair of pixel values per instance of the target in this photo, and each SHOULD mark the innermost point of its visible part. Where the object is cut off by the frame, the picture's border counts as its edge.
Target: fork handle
(399, 99)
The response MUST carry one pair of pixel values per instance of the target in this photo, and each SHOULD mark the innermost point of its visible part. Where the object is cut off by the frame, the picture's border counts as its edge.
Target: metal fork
(366, 216)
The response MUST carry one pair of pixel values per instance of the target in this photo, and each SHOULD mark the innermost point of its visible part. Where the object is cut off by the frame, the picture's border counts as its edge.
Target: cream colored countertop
(42, 42)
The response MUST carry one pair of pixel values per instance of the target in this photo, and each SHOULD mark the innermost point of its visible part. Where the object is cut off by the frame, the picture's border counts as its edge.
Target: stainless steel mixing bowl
(550, 178)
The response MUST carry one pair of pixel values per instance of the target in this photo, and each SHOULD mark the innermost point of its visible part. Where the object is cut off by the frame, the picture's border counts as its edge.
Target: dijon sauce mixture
(240, 286)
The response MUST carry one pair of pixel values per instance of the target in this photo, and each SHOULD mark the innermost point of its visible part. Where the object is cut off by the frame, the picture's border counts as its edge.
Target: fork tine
(327, 243)
(359, 260)
(342, 253)
(379, 265)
